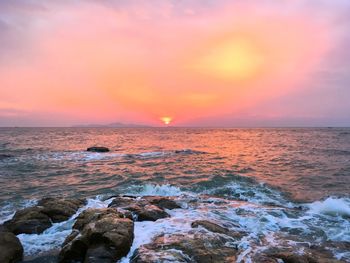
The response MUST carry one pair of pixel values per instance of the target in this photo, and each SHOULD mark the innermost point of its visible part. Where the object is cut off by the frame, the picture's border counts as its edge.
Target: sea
(288, 185)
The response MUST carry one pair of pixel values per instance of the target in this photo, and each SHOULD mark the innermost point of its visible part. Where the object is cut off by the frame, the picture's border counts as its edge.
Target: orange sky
(138, 62)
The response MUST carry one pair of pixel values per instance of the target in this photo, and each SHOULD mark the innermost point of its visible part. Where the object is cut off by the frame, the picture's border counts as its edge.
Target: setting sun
(166, 120)
(232, 59)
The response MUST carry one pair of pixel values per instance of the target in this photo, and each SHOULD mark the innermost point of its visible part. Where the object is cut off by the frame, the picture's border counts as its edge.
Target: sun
(235, 59)
(166, 120)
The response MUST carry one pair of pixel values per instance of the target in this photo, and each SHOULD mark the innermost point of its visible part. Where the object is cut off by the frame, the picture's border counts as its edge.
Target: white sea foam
(259, 221)
(179, 222)
(151, 189)
(86, 156)
(331, 206)
(254, 193)
(53, 237)
(9, 210)
(151, 154)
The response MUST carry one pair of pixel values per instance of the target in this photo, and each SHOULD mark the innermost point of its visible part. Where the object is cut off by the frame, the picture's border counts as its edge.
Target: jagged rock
(99, 235)
(141, 208)
(125, 201)
(162, 202)
(147, 212)
(36, 219)
(11, 249)
(309, 255)
(29, 220)
(97, 149)
(212, 227)
(60, 209)
(190, 247)
(94, 214)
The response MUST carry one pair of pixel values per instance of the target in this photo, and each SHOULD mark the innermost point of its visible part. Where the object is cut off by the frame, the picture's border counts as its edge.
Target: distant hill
(113, 125)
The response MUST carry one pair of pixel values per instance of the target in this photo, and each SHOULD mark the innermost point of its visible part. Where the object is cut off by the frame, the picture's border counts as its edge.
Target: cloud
(108, 60)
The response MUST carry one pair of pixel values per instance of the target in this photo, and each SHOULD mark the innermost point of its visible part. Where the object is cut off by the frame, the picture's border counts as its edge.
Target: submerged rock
(99, 149)
(36, 219)
(144, 209)
(99, 235)
(11, 249)
(189, 247)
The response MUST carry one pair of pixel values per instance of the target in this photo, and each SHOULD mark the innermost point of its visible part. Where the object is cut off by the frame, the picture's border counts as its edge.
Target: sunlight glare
(166, 120)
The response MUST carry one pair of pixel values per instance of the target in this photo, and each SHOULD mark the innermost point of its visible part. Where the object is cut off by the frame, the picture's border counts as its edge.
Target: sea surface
(285, 181)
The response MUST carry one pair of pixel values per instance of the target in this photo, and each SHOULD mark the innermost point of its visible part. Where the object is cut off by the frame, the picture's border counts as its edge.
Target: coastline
(174, 228)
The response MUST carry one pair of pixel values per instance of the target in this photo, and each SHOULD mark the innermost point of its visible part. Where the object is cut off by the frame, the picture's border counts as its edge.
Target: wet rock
(212, 227)
(147, 212)
(125, 201)
(99, 235)
(11, 249)
(98, 149)
(60, 209)
(36, 219)
(28, 221)
(190, 247)
(141, 208)
(42, 259)
(95, 214)
(308, 255)
(145, 255)
(162, 202)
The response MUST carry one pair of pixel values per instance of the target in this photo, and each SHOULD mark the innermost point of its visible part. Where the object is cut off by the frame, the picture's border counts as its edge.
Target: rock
(99, 235)
(29, 220)
(60, 209)
(11, 249)
(99, 254)
(309, 255)
(147, 212)
(190, 247)
(95, 214)
(5, 156)
(125, 201)
(162, 202)
(141, 208)
(42, 259)
(98, 149)
(36, 219)
(212, 227)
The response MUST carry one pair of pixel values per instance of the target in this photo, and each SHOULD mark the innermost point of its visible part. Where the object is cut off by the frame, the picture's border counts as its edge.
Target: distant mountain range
(113, 125)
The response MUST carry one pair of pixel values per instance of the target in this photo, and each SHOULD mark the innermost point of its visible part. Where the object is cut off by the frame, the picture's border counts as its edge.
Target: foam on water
(151, 189)
(331, 206)
(260, 222)
(53, 237)
(257, 193)
(8, 210)
(266, 226)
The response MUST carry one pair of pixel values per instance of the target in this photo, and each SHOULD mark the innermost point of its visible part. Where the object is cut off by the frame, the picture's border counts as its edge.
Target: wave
(244, 189)
(331, 206)
(151, 189)
(8, 210)
(96, 156)
(267, 225)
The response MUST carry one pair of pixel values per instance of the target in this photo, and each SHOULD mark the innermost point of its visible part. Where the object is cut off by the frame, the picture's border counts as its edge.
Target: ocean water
(283, 186)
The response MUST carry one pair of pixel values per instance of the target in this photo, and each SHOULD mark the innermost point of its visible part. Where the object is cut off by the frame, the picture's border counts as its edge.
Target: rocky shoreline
(107, 235)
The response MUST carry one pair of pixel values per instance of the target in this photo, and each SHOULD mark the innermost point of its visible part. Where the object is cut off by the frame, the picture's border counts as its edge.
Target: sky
(228, 63)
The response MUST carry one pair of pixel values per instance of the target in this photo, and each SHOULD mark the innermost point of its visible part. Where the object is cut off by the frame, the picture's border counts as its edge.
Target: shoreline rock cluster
(106, 235)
